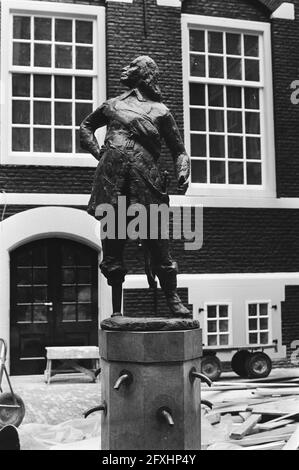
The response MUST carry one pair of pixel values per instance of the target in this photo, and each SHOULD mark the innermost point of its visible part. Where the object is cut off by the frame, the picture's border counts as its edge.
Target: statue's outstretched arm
(88, 127)
(174, 142)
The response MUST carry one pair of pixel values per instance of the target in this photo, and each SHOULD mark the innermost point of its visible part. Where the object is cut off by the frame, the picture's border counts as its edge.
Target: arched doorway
(54, 300)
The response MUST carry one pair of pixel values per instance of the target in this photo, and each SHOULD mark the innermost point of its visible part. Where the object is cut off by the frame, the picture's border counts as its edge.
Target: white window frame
(230, 324)
(268, 186)
(27, 7)
(259, 301)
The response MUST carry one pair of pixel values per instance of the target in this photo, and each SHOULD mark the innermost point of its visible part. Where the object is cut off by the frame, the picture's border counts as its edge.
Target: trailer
(247, 362)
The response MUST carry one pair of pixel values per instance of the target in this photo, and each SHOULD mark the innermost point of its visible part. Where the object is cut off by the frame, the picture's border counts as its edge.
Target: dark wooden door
(54, 300)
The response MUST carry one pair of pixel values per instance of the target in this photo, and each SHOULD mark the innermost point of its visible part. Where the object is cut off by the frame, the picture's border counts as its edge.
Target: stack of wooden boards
(266, 418)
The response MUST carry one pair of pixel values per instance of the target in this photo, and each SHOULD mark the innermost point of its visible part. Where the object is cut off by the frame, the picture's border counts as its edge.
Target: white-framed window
(258, 322)
(228, 106)
(218, 324)
(51, 57)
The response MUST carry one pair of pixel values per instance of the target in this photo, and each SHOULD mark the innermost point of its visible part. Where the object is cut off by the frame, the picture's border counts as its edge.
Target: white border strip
(45, 199)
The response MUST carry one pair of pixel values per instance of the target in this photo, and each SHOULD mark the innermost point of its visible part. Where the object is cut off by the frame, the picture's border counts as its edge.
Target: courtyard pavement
(65, 398)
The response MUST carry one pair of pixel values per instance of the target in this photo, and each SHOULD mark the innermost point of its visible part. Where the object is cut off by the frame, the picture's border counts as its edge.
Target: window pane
(197, 65)
(216, 121)
(84, 275)
(24, 276)
(216, 67)
(212, 340)
(223, 311)
(212, 311)
(40, 313)
(84, 32)
(198, 171)
(215, 95)
(21, 112)
(63, 57)
(197, 94)
(217, 149)
(40, 256)
(20, 140)
(42, 55)
(251, 45)
(84, 312)
(234, 68)
(198, 145)
(42, 112)
(233, 44)
(84, 58)
(223, 340)
(253, 324)
(252, 310)
(253, 338)
(264, 324)
(197, 40)
(197, 119)
(233, 96)
(252, 98)
(24, 294)
(63, 114)
(20, 84)
(42, 140)
(252, 71)
(68, 255)
(264, 338)
(254, 175)
(252, 123)
(21, 54)
(63, 30)
(63, 87)
(42, 86)
(69, 313)
(235, 147)
(84, 294)
(82, 111)
(223, 325)
(63, 141)
(40, 275)
(253, 148)
(236, 172)
(215, 42)
(24, 313)
(263, 309)
(69, 293)
(217, 172)
(40, 294)
(43, 29)
(212, 326)
(83, 88)
(68, 276)
(234, 122)
(21, 27)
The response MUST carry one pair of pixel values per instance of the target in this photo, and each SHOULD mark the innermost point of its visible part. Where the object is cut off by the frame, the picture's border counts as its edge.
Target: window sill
(47, 160)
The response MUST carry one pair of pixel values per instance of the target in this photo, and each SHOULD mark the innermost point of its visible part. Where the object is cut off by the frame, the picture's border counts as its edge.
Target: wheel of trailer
(258, 365)
(238, 362)
(10, 415)
(211, 367)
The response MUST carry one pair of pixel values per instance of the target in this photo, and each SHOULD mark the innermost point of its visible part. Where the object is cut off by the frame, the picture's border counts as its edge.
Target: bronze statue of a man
(136, 122)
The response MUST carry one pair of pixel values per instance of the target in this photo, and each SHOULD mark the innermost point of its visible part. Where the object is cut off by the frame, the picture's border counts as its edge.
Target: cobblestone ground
(65, 398)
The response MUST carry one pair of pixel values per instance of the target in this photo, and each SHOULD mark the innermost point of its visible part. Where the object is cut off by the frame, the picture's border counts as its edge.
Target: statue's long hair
(149, 78)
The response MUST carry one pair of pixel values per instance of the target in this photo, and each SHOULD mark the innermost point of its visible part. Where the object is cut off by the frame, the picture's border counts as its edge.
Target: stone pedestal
(159, 365)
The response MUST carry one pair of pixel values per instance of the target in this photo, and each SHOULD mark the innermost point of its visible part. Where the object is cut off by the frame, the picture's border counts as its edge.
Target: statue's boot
(175, 305)
(116, 299)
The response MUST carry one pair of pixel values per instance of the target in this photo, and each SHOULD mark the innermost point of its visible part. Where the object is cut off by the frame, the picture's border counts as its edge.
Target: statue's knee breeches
(167, 275)
(113, 270)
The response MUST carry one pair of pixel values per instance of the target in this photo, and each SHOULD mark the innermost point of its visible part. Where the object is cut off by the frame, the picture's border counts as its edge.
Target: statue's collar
(137, 92)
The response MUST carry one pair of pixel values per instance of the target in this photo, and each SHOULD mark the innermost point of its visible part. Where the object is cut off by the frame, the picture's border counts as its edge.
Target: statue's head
(143, 73)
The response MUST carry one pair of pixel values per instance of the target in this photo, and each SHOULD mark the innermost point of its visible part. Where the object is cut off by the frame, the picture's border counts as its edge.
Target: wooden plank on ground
(274, 425)
(279, 407)
(245, 427)
(282, 434)
(293, 442)
(277, 391)
(269, 446)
